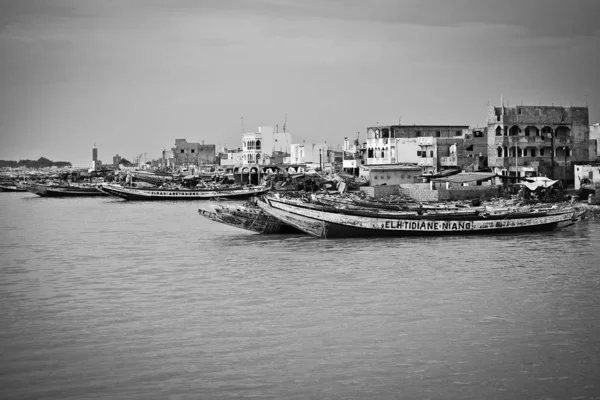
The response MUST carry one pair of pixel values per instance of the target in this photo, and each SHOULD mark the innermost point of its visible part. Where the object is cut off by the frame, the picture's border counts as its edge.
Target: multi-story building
(537, 140)
(419, 144)
(185, 153)
(258, 147)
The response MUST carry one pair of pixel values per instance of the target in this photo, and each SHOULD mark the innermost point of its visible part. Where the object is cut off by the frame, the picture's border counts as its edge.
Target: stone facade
(185, 153)
(537, 140)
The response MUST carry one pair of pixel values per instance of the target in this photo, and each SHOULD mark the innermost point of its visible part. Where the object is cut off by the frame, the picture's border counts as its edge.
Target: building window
(457, 133)
(470, 148)
(192, 150)
(182, 151)
(418, 153)
(519, 110)
(418, 133)
(438, 133)
(431, 154)
(541, 152)
(532, 152)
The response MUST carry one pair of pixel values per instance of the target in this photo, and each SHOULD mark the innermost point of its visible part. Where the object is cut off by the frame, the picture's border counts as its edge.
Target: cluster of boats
(329, 215)
(338, 217)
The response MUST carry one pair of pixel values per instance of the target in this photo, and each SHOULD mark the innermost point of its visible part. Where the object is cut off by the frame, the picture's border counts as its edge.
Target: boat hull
(12, 188)
(249, 218)
(326, 223)
(57, 191)
(147, 194)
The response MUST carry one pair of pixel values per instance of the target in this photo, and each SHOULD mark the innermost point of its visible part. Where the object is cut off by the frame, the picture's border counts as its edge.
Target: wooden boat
(11, 187)
(63, 190)
(138, 193)
(329, 222)
(248, 217)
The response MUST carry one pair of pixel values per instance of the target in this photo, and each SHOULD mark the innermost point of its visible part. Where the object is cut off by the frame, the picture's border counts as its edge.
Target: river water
(106, 299)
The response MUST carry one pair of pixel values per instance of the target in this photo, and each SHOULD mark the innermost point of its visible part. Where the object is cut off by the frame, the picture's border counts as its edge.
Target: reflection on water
(103, 298)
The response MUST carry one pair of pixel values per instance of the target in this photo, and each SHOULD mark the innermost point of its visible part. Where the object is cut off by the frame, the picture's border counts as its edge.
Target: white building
(313, 153)
(258, 147)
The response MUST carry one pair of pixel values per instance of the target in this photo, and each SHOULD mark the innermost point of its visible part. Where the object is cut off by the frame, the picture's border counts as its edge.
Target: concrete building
(595, 142)
(185, 153)
(314, 153)
(258, 147)
(96, 164)
(538, 140)
(419, 144)
(390, 174)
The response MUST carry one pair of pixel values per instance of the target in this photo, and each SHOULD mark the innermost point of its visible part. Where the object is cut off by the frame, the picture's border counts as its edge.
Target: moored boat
(248, 217)
(138, 193)
(63, 190)
(330, 222)
(11, 187)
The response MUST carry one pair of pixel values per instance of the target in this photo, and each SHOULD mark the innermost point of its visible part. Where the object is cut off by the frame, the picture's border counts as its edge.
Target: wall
(468, 192)
(419, 192)
(377, 192)
(390, 176)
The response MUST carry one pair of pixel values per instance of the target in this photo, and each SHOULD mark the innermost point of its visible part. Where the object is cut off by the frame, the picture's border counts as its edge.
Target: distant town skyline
(132, 76)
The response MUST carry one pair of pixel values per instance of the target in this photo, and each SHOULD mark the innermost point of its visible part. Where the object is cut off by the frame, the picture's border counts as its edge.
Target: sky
(132, 76)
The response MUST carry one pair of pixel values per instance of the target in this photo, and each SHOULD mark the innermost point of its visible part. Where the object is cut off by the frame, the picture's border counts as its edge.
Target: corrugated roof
(465, 177)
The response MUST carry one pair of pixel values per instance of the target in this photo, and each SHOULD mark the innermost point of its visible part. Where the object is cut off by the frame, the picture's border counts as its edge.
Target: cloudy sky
(134, 75)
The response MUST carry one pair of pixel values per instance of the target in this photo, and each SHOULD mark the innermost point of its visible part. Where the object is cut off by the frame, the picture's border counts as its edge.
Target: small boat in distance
(156, 194)
(331, 222)
(11, 187)
(63, 190)
(248, 217)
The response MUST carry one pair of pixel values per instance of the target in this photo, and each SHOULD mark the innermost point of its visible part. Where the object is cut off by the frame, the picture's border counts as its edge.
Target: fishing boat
(331, 222)
(11, 187)
(248, 217)
(174, 194)
(64, 190)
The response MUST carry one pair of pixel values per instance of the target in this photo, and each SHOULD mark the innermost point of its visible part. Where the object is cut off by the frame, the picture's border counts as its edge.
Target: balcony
(426, 162)
(425, 141)
(451, 161)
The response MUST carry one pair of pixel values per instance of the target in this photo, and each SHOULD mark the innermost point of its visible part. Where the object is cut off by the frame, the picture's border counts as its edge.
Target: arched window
(258, 145)
(498, 131)
(499, 150)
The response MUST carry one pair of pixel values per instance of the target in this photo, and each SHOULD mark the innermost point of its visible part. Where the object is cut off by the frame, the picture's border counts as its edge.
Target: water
(108, 299)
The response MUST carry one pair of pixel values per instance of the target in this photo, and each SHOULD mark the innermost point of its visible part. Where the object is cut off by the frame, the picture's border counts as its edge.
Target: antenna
(586, 102)
(284, 123)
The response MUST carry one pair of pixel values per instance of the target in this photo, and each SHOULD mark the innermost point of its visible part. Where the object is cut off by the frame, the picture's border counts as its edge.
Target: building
(116, 161)
(390, 174)
(231, 158)
(316, 153)
(537, 140)
(595, 142)
(423, 145)
(96, 164)
(259, 147)
(185, 153)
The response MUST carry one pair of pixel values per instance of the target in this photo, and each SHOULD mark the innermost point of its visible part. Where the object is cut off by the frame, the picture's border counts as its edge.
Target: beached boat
(138, 193)
(248, 217)
(63, 190)
(330, 222)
